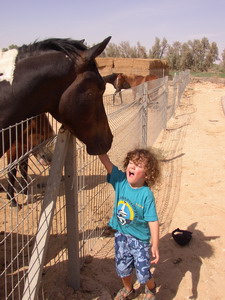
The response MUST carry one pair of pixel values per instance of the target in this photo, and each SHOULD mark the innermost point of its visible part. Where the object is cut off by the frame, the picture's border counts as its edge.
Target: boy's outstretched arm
(104, 158)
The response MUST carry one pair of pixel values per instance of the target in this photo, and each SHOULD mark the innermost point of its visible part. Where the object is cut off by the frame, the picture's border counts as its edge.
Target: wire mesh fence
(23, 176)
(136, 122)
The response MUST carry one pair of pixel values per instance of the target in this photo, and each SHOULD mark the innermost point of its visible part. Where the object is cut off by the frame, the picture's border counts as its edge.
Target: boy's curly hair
(151, 164)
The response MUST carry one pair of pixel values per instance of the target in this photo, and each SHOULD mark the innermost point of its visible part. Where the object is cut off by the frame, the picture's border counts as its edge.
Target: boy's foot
(124, 294)
(150, 294)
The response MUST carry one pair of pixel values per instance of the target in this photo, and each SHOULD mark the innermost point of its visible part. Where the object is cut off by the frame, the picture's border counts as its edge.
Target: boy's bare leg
(127, 289)
(151, 284)
(127, 283)
(150, 290)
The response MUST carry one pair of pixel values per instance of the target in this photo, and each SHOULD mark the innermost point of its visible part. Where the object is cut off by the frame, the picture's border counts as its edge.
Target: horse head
(81, 106)
(121, 82)
(59, 76)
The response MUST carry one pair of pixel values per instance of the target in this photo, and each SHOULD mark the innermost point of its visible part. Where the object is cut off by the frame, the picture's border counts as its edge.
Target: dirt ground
(191, 197)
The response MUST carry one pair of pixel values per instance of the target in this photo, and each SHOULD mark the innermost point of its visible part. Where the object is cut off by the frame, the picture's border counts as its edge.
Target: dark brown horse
(122, 81)
(58, 76)
(34, 132)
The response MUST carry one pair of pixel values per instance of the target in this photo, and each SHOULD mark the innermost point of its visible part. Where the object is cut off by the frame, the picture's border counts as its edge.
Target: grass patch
(212, 74)
(208, 74)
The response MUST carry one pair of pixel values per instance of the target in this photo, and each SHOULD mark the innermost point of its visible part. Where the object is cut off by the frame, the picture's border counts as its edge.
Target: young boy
(134, 219)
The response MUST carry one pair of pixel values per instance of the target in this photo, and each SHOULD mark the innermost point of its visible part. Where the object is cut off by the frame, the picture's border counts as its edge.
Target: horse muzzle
(100, 146)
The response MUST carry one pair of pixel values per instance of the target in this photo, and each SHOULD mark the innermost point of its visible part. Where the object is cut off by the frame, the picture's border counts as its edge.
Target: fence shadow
(86, 182)
(54, 275)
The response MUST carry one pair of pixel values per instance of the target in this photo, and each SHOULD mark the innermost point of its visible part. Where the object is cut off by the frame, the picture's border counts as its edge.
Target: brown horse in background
(122, 81)
(31, 133)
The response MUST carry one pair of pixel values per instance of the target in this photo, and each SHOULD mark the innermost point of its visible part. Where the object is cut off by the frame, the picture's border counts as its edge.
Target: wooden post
(144, 117)
(72, 215)
(41, 242)
(165, 102)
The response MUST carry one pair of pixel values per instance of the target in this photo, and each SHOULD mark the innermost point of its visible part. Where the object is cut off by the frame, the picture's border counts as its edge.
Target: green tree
(174, 55)
(223, 60)
(13, 46)
(158, 50)
(112, 50)
(211, 56)
(126, 50)
(141, 51)
(196, 55)
(198, 58)
(186, 61)
(203, 53)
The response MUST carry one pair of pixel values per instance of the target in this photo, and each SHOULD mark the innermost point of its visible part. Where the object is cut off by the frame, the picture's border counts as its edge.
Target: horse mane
(110, 78)
(64, 45)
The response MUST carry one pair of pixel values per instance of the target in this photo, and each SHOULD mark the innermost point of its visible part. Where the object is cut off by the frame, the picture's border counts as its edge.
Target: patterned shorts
(130, 254)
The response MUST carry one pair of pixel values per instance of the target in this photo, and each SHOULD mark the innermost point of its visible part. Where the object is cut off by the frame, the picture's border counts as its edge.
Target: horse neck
(128, 80)
(151, 77)
(111, 79)
(124, 82)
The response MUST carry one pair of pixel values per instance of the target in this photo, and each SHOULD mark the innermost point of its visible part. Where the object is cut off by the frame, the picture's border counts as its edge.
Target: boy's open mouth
(131, 174)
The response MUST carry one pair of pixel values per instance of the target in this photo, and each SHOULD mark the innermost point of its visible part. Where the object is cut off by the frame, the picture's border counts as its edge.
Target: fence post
(72, 215)
(165, 101)
(144, 117)
(175, 92)
(36, 264)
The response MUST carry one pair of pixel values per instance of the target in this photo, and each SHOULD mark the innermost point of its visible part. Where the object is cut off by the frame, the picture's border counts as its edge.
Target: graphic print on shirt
(125, 212)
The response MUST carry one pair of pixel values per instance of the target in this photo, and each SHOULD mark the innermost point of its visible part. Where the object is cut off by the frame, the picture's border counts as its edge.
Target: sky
(24, 21)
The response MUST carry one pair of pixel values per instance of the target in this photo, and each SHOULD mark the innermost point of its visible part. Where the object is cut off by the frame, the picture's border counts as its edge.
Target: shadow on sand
(176, 261)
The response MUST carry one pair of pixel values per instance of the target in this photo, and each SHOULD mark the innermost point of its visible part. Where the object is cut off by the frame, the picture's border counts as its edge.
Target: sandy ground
(191, 196)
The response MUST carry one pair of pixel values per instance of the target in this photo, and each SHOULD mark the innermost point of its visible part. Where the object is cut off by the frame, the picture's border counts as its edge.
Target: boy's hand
(155, 255)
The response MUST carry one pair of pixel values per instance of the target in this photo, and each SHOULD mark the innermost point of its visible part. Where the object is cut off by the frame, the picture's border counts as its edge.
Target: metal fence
(68, 203)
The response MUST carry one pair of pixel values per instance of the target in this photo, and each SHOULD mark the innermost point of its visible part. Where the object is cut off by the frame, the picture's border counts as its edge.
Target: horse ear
(93, 52)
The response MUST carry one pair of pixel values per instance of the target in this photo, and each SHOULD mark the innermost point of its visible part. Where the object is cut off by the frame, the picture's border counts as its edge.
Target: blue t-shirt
(133, 207)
